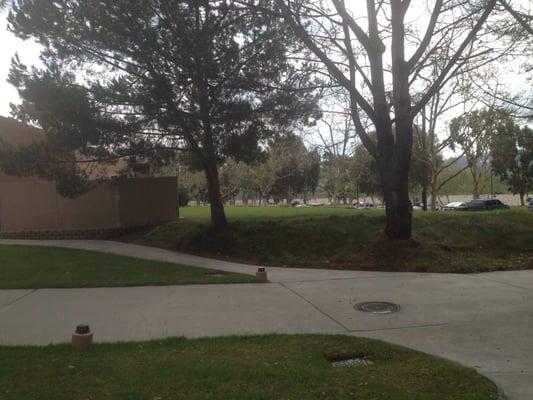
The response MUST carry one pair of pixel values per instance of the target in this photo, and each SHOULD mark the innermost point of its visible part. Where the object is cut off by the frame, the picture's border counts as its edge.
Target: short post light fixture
(261, 275)
(82, 337)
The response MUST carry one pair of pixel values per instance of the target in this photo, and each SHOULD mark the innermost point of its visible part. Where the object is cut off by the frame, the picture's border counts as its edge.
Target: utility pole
(178, 194)
(491, 185)
(425, 165)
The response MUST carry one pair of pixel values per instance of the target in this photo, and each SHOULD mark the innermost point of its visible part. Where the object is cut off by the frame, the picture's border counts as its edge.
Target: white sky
(29, 54)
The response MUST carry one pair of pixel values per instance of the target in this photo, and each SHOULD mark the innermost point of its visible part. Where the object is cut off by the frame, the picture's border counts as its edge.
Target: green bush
(183, 196)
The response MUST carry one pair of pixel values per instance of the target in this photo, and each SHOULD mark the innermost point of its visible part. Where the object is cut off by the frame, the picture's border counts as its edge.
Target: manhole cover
(378, 307)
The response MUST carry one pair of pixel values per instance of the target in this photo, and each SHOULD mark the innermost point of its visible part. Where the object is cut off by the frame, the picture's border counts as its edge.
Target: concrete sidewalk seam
(351, 278)
(504, 373)
(501, 282)
(18, 299)
(314, 306)
(400, 327)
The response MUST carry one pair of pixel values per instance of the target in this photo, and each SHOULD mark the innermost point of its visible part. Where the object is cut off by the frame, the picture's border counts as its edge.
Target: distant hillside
(462, 184)
(461, 163)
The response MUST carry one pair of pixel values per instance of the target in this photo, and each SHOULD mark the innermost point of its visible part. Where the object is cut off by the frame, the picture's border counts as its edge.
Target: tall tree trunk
(289, 195)
(522, 195)
(476, 183)
(398, 206)
(395, 178)
(434, 194)
(425, 196)
(475, 190)
(218, 215)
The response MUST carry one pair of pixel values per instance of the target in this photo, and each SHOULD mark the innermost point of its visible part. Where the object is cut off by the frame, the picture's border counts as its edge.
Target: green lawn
(235, 368)
(43, 267)
(346, 238)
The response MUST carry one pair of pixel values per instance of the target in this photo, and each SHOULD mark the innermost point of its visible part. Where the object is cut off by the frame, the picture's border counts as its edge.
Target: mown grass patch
(346, 238)
(235, 368)
(26, 267)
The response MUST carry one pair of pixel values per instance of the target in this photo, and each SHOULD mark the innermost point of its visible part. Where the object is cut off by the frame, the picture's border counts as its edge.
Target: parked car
(530, 205)
(315, 204)
(486, 205)
(456, 206)
(360, 204)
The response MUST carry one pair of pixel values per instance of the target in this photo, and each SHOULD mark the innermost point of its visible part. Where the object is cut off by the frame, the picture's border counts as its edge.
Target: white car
(456, 206)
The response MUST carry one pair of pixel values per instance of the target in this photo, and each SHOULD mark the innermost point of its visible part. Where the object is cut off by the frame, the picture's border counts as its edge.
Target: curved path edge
(275, 274)
(484, 321)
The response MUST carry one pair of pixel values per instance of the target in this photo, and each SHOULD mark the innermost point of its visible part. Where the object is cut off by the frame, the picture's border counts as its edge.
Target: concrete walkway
(483, 321)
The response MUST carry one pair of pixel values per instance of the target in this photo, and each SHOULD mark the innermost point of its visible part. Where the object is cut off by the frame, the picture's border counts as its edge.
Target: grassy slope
(40, 267)
(352, 239)
(251, 368)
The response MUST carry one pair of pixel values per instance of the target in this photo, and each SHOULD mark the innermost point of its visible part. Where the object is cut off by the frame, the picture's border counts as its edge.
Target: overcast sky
(28, 52)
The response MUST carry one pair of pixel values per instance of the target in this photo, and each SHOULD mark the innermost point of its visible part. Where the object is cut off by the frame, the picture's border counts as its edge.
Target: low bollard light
(261, 275)
(82, 337)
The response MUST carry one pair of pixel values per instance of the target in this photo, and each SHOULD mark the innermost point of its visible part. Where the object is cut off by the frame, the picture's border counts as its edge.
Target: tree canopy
(379, 57)
(149, 78)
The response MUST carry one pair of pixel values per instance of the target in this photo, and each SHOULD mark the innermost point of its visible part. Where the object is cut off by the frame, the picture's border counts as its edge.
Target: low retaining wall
(80, 234)
(32, 208)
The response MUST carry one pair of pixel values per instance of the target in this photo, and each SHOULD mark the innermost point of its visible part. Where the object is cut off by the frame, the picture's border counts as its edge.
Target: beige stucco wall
(33, 204)
(147, 201)
(28, 204)
(97, 208)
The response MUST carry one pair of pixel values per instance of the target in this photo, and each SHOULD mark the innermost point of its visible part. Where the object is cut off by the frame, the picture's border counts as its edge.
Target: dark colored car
(486, 205)
(530, 205)
(359, 204)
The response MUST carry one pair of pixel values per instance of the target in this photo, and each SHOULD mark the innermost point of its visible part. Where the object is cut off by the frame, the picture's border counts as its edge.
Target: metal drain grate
(215, 274)
(353, 362)
(378, 307)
